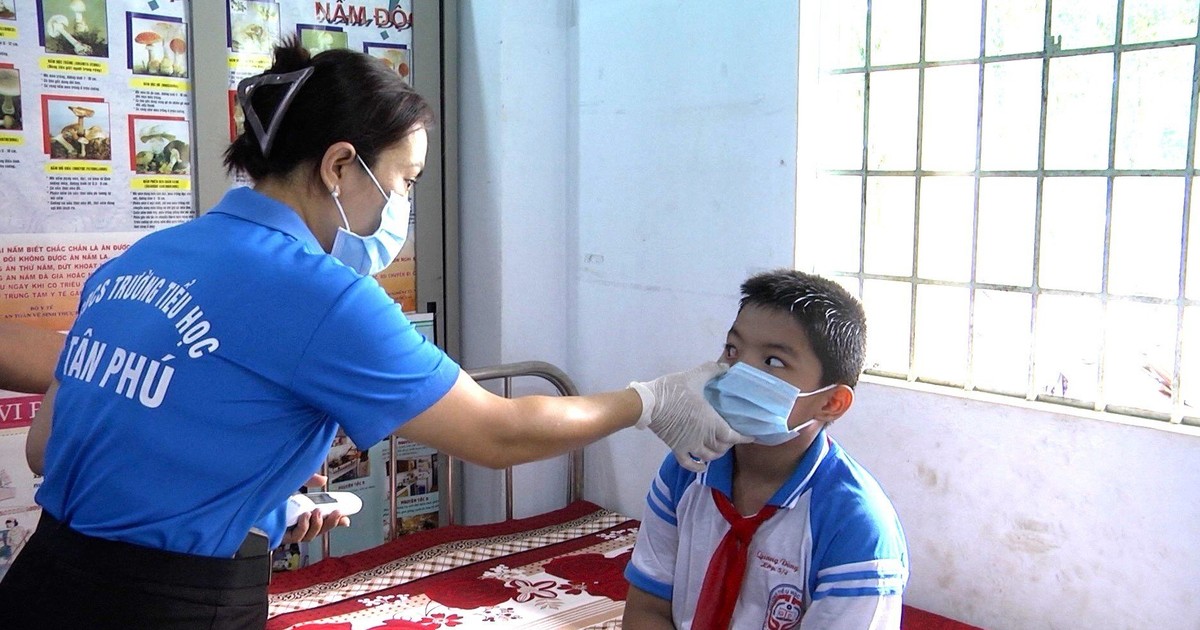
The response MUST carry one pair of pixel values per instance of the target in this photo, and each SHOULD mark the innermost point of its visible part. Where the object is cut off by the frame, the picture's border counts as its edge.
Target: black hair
(832, 318)
(350, 96)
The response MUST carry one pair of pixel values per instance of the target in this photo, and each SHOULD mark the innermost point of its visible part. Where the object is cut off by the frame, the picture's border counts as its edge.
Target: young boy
(787, 531)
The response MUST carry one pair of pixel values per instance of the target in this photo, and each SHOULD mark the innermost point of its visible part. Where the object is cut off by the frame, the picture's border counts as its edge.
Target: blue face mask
(368, 255)
(757, 404)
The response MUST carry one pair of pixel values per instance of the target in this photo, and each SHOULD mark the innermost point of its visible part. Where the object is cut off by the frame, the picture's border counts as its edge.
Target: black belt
(247, 568)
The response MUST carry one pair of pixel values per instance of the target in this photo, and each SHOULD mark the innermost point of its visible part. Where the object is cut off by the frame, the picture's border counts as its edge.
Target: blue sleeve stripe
(657, 493)
(850, 587)
(864, 575)
(661, 590)
(881, 565)
(661, 513)
(864, 591)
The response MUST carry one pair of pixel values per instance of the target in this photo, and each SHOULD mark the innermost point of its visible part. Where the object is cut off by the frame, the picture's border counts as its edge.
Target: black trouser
(64, 579)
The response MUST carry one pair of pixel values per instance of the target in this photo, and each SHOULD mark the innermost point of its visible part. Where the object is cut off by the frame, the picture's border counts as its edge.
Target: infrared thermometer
(326, 502)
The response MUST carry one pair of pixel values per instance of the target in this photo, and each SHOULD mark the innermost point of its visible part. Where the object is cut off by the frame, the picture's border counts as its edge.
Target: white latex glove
(674, 408)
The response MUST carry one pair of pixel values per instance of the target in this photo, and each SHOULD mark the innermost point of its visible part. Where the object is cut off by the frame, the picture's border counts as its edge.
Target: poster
(95, 108)
(418, 501)
(18, 512)
(416, 489)
(348, 468)
(380, 28)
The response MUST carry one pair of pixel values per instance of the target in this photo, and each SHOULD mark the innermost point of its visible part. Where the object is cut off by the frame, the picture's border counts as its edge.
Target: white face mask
(368, 255)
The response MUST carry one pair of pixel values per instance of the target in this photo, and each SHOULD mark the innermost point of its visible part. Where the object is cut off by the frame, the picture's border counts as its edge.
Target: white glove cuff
(647, 397)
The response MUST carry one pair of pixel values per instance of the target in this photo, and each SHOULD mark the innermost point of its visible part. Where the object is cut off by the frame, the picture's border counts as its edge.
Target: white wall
(516, 76)
(626, 163)
(687, 149)
(1019, 518)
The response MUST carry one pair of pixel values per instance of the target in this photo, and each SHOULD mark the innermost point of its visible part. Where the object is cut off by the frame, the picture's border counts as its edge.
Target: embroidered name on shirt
(782, 566)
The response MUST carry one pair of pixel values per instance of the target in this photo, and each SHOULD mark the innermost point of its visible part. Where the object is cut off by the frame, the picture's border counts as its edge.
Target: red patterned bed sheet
(563, 569)
(560, 570)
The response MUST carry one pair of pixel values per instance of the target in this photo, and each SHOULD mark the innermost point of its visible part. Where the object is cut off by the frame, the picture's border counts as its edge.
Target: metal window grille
(1141, 360)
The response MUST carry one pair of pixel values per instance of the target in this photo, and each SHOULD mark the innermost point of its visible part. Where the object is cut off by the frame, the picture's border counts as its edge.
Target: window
(1007, 186)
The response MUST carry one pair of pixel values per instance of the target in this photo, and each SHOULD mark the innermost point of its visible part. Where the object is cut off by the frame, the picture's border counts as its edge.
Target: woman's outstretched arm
(27, 357)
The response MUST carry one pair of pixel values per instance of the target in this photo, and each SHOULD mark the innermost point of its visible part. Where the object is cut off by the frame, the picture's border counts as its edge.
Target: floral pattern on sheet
(495, 598)
(500, 613)
(382, 599)
(573, 576)
(580, 586)
(597, 574)
(618, 534)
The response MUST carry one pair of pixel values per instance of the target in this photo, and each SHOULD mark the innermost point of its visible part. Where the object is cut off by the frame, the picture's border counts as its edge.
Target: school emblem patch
(785, 608)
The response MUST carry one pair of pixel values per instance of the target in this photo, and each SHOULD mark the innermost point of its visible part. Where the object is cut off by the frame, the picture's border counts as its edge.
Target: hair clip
(249, 84)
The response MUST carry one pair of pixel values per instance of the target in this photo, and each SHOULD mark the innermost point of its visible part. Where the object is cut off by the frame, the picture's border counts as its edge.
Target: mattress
(562, 570)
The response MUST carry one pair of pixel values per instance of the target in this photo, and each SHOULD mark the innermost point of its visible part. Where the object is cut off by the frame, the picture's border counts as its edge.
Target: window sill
(1034, 406)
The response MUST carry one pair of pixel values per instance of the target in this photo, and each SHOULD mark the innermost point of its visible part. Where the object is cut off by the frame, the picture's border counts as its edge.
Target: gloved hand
(674, 408)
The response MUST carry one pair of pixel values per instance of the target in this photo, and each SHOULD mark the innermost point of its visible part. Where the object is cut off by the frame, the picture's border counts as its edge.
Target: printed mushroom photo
(395, 58)
(318, 40)
(161, 152)
(10, 99)
(7, 11)
(237, 117)
(76, 27)
(254, 26)
(148, 57)
(178, 48)
(78, 133)
(158, 48)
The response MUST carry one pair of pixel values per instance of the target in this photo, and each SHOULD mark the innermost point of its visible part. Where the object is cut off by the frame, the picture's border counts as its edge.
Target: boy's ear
(838, 402)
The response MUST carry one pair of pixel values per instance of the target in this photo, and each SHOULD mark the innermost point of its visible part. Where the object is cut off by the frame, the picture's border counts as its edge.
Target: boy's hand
(674, 408)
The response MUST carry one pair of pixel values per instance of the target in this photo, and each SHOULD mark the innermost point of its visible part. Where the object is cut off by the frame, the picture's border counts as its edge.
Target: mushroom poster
(94, 137)
(380, 28)
(95, 103)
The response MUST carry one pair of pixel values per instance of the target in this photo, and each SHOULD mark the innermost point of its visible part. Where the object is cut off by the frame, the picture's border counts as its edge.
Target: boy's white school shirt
(833, 557)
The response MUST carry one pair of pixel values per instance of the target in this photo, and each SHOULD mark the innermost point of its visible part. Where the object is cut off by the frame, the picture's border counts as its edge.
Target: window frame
(808, 173)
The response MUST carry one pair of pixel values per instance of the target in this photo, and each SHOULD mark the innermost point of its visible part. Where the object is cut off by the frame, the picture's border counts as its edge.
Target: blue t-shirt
(206, 375)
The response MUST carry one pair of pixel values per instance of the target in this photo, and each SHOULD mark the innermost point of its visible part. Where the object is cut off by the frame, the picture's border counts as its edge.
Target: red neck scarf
(723, 580)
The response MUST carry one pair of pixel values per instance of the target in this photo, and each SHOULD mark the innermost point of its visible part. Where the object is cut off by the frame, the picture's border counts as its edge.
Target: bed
(559, 570)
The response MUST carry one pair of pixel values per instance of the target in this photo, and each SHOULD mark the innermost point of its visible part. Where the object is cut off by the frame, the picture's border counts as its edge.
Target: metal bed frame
(505, 373)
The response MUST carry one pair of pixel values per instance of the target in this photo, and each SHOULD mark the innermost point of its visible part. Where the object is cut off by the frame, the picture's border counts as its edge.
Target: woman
(211, 364)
